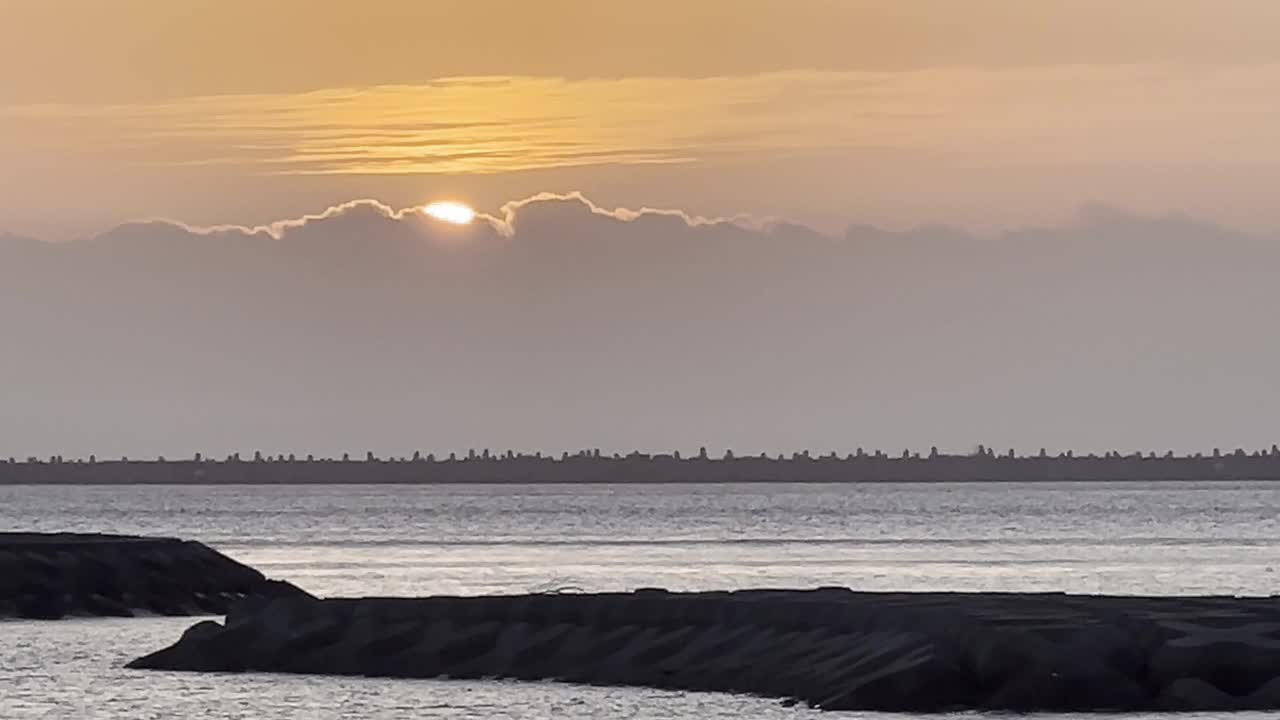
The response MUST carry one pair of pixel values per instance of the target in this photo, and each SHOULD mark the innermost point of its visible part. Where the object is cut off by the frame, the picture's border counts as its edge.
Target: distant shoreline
(635, 469)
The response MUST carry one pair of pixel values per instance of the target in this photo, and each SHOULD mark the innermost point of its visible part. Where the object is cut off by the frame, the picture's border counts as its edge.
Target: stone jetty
(830, 648)
(51, 576)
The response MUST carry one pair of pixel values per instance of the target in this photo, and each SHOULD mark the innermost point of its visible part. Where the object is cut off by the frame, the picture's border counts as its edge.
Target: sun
(450, 212)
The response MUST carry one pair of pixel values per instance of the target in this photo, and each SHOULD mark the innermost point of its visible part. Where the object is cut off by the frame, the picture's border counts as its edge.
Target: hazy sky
(887, 223)
(984, 113)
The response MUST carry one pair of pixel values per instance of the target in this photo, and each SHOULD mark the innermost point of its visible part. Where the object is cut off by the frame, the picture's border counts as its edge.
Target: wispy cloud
(1064, 114)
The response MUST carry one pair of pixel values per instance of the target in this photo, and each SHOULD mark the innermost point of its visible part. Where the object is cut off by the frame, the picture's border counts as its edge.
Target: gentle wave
(1136, 541)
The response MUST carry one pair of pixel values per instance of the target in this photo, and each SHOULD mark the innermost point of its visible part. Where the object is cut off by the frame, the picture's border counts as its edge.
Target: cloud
(505, 220)
(1032, 115)
(279, 228)
(558, 324)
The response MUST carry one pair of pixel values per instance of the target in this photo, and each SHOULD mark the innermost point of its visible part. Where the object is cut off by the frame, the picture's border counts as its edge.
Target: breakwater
(831, 648)
(51, 576)
(593, 467)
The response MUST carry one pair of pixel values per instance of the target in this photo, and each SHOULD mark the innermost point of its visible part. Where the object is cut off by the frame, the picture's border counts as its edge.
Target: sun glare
(450, 212)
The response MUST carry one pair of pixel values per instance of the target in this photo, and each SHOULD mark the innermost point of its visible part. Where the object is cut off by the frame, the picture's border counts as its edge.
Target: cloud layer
(1061, 115)
(555, 324)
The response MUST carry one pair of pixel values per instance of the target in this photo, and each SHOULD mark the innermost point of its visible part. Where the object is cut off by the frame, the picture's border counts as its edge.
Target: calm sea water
(383, 540)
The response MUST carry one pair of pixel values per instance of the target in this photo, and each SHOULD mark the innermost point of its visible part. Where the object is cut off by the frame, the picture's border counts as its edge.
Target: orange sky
(984, 113)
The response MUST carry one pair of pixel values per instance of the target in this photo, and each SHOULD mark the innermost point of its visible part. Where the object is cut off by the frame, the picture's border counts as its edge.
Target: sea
(1126, 538)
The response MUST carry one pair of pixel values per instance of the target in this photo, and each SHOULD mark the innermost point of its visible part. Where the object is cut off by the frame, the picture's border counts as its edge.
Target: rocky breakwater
(831, 648)
(51, 576)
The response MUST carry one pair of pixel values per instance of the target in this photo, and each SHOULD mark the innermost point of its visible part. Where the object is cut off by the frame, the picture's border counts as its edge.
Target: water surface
(390, 540)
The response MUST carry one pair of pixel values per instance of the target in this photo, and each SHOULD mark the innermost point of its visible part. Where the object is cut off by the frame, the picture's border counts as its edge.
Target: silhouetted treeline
(594, 467)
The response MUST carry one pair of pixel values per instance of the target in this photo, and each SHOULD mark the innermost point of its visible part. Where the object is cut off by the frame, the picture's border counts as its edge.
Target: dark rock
(462, 654)
(1116, 648)
(837, 651)
(191, 652)
(1194, 694)
(307, 642)
(210, 603)
(41, 604)
(527, 662)
(280, 589)
(167, 602)
(1235, 662)
(50, 576)
(1059, 688)
(915, 679)
(1266, 697)
(103, 606)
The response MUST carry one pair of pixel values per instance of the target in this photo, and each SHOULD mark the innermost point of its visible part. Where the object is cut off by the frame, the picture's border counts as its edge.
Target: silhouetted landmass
(51, 576)
(592, 467)
(831, 648)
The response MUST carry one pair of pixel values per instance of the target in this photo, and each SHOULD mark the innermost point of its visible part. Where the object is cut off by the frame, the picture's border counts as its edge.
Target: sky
(985, 114)
(883, 223)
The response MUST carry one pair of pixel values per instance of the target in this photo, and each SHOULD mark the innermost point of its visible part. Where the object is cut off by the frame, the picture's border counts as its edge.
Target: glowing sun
(450, 212)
